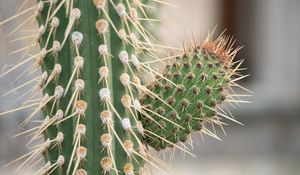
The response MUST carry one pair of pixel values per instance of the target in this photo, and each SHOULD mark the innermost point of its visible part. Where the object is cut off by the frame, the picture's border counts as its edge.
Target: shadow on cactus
(102, 113)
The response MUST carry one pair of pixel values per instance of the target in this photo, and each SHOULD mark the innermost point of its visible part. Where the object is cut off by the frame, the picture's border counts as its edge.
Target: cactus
(203, 78)
(101, 111)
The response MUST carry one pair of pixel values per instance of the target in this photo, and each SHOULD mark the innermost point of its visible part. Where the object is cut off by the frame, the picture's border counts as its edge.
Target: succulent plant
(201, 79)
(104, 103)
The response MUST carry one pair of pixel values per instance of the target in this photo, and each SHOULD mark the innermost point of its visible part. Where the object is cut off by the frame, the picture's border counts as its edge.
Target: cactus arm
(204, 79)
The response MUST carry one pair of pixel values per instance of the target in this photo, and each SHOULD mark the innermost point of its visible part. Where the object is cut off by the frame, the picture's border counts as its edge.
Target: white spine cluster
(44, 76)
(45, 98)
(125, 79)
(126, 124)
(77, 38)
(59, 138)
(106, 164)
(122, 34)
(60, 160)
(134, 39)
(75, 13)
(59, 115)
(42, 30)
(128, 169)
(56, 47)
(58, 92)
(121, 10)
(136, 80)
(102, 49)
(43, 53)
(137, 105)
(135, 61)
(100, 4)
(104, 94)
(79, 84)
(81, 172)
(54, 22)
(103, 72)
(81, 152)
(106, 140)
(80, 107)
(81, 129)
(57, 69)
(128, 144)
(140, 127)
(46, 145)
(106, 117)
(123, 56)
(78, 61)
(40, 6)
(102, 26)
(134, 15)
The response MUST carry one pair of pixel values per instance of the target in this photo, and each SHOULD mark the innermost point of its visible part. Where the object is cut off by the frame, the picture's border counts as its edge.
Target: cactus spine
(101, 112)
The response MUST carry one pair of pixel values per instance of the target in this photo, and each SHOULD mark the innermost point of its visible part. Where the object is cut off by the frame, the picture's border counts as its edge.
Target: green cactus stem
(203, 76)
(93, 54)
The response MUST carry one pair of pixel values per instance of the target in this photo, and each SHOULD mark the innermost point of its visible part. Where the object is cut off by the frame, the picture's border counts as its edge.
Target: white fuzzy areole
(104, 94)
(126, 124)
(123, 56)
(56, 47)
(81, 129)
(137, 105)
(59, 114)
(77, 38)
(102, 49)
(121, 10)
(135, 61)
(79, 84)
(122, 34)
(54, 22)
(58, 92)
(81, 152)
(59, 138)
(75, 13)
(81, 172)
(78, 61)
(103, 72)
(40, 6)
(60, 160)
(125, 79)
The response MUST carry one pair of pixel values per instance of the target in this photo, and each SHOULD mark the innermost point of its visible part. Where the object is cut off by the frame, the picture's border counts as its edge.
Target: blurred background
(269, 142)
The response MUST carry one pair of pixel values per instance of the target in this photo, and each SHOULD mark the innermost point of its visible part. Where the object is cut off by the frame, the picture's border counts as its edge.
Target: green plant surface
(203, 76)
